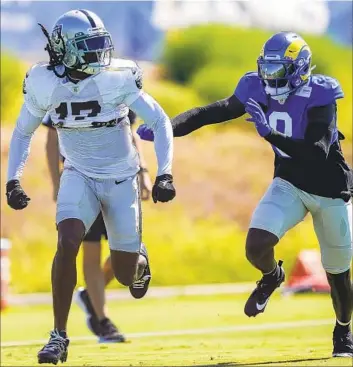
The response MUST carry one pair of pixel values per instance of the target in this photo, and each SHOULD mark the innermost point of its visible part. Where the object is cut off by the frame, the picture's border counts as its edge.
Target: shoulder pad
(122, 64)
(325, 90)
(37, 88)
(128, 65)
(250, 86)
(38, 73)
(123, 74)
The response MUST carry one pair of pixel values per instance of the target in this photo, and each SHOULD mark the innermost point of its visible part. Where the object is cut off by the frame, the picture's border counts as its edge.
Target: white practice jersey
(91, 117)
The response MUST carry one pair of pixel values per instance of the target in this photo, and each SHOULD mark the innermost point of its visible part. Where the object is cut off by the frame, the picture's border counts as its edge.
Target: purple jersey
(332, 177)
(290, 117)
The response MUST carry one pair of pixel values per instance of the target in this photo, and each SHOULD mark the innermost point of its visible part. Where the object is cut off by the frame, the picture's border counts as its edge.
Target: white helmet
(80, 41)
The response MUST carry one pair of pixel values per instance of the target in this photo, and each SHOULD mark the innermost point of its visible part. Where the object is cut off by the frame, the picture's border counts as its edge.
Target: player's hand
(258, 117)
(145, 132)
(145, 184)
(16, 197)
(163, 189)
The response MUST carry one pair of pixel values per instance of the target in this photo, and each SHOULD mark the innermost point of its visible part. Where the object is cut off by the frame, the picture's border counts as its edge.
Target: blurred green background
(220, 172)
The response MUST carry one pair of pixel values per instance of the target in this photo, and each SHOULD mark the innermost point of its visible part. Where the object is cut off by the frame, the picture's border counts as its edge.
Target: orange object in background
(307, 275)
(5, 271)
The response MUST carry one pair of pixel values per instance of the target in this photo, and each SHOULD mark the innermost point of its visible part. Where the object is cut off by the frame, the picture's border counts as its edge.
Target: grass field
(185, 331)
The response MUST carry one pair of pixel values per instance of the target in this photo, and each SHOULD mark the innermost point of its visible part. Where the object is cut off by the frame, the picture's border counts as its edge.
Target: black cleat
(106, 331)
(84, 302)
(55, 350)
(342, 342)
(259, 298)
(110, 333)
(140, 287)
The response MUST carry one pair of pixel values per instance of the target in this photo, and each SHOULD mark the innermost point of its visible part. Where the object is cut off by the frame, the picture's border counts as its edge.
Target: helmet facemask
(92, 53)
(276, 75)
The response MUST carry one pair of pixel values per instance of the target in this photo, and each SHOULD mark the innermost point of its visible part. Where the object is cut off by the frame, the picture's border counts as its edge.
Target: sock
(346, 326)
(62, 333)
(274, 274)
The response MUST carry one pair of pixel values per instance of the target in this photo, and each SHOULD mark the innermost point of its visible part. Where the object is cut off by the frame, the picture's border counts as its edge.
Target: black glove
(16, 197)
(163, 189)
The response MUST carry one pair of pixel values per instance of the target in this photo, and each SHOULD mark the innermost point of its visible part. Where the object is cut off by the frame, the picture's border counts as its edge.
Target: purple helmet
(284, 64)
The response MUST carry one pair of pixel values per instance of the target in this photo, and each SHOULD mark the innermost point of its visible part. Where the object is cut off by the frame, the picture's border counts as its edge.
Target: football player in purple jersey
(296, 112)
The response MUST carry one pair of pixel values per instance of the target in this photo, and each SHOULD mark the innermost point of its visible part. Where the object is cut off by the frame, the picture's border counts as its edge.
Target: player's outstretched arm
(156, 119)
(18, 154)
(191, 120)
(214, 113)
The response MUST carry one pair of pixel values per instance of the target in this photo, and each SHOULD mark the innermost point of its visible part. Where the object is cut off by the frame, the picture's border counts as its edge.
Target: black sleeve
(220, 111)
(317, 140)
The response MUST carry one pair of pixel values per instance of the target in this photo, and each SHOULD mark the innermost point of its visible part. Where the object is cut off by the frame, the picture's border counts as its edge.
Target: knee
(336, 260)
(258, 242)
(342, 278)
(68, 244)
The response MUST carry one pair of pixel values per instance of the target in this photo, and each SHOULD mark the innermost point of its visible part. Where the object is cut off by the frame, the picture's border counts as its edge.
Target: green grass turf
(292, 346)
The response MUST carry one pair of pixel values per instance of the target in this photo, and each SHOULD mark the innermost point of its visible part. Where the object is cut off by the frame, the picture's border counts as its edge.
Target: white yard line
(153, 292)
(215, 330)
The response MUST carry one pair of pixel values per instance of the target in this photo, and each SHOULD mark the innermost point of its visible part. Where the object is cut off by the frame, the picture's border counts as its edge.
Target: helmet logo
(301, 62)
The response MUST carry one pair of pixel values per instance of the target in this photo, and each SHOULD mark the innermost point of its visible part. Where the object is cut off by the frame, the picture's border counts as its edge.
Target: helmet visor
(96, 49)
(274, 73)
(272, 70)
(95, 43)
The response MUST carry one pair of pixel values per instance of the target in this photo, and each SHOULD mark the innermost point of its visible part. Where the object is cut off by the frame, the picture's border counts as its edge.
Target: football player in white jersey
(91, 299)
(88, 95)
